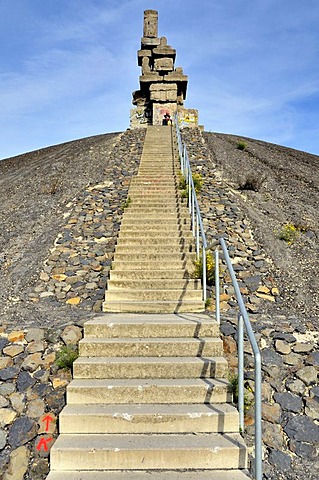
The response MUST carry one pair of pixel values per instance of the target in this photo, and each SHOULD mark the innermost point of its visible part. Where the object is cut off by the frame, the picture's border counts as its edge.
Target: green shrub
(289, 233)
(210, 268)
(198, 182)
(241, 145)
(248, 397)
(182, 184)
(66, 356)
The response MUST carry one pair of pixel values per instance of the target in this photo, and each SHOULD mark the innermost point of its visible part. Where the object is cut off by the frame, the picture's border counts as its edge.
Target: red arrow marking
(48, 420)
(43, 443)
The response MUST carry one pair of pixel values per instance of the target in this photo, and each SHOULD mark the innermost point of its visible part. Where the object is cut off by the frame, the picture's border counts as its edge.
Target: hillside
(60, 212)
(274, 186)
(36, 187)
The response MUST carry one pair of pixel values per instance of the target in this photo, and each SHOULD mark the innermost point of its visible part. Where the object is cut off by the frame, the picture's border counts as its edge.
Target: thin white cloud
(252, 64)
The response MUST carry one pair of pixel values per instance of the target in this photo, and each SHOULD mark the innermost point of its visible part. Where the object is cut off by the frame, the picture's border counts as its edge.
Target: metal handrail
(243, 320)
(196, 219)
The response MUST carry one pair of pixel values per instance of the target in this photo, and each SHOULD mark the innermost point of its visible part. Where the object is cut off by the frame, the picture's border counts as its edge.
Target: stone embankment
(32, 394)
(76, 270)
(289, 343)
(56, 300)
(290, 392)
(222, 216)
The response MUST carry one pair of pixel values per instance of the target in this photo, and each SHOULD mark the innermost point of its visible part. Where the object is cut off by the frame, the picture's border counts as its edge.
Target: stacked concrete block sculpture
(162, 86)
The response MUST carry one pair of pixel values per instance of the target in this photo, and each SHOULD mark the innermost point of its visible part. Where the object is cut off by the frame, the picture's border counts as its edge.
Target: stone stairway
(153, 261)
(150, 395)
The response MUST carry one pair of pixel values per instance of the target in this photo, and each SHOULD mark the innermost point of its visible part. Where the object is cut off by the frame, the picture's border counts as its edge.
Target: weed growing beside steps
(248, 397)
(210, 268)
(66, 356)
(182, 185)
(127, 202)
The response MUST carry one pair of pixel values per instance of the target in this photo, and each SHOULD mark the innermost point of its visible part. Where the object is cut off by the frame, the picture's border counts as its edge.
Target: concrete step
(158, 418)
(150, 367)
(169, 190)
(150, 197)
(150, 347)
(154, 475)
(153, 220)
(139, 209)
(149, 173)
(155, 217)
(142, 200)
(154, 257)
(177, 249)
(159, 177)
(149, 391)
(153, 265)
(133, 274)
(154, 284)
(190, 325)
(134, 241)
(159, 229)
(141, 186)
(185, 306)
(144, 452)
(152, 295)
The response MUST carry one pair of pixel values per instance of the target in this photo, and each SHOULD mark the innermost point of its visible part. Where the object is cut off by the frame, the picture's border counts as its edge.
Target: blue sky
(68, 67)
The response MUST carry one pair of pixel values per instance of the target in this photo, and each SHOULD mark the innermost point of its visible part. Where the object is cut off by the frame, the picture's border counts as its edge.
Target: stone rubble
(32, 387)
(76, 271)
(290, 394)
(222, 217)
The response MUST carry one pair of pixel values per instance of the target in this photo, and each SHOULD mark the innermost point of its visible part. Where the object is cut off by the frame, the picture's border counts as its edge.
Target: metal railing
(196, 219)
(243, 319)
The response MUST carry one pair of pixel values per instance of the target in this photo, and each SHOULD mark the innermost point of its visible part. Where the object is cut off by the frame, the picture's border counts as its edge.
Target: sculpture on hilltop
(162, 86)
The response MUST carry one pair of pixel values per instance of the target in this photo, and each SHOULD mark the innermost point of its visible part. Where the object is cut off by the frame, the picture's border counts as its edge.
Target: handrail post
(240, 343)
(190, 193)
(193, 215)
(217, 293)
(197, 236)
(258, 429)
(204, 273)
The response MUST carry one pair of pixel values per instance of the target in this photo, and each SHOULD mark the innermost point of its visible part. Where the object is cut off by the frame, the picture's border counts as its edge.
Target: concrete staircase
(150, 396)
(153, 261)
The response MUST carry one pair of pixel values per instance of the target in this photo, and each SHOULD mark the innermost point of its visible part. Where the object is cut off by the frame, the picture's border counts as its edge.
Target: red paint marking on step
(43, 443)
(48, 420)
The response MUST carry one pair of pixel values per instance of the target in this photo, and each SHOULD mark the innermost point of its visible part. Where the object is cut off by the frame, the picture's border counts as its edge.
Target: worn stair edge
(164, 391)
(153, 307)
(149, 326)
(150, 367)
(213, 451)
(155, 475)
(149, 418)
(155, 284)
(182, 294)
(153, 347)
